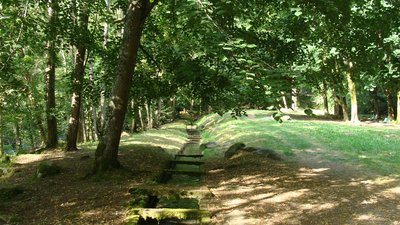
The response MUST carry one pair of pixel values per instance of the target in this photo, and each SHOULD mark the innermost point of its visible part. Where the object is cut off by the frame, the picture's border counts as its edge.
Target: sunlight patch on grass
(374, 147)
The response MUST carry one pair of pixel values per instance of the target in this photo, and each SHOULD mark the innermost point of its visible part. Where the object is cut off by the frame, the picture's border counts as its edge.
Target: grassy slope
(374, 147)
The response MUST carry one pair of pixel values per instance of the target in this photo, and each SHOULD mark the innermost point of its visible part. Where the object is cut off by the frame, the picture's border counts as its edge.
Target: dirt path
(252, 190)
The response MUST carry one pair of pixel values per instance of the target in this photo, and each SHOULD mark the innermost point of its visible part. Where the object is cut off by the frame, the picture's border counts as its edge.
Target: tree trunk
(343, 104)
(149, 114)
(106, 156)
(158, 113)
(77, 83)
(1, 131)
(353, 94)
(140, 117)
(398, 107)
(17, 136)
(325, 98)
(50, 78)
(374, 95)
(390, 105)
(173, 107)
(295, 100)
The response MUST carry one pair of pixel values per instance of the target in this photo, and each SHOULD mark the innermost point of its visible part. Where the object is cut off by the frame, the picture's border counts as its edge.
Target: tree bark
(353, 94)
(374, 95)
(343, 104)
(158, 113)
(173, 107)
(140, 117)
(50, 78)
(106, 156)
(398, 107)
(77, 83)
(325, 98)
(1, 131)
(390, 105)
(17, 136)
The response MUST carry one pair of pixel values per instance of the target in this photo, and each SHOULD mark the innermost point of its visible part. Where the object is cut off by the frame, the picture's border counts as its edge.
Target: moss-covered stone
(47, 168)
(234, 149)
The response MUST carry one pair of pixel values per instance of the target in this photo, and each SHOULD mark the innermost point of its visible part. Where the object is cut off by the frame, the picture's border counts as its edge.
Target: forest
(75, 73)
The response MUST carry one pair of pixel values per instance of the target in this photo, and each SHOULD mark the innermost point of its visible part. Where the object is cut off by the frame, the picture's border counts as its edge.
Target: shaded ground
(251, 190)
(69, 198)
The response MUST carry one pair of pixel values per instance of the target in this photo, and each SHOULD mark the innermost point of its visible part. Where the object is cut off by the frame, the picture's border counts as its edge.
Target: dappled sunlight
(268, 192)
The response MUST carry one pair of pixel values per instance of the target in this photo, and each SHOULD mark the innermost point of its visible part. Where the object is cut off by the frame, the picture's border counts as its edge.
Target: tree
(77, 78)
(50, 76)
(107, 149)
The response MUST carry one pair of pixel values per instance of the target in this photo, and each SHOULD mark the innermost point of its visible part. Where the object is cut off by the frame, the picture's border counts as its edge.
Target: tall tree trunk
(390, 105)
(353, 94)
(106, 156)
(398, 107)
(77, 82)
(374, 95)
(325, 98)
(173, 108)
(343, 104)
(140, 117)
(1, 131)
(50, 78)
(295, 99)
(158, 113)
(149, 114)
(17, 136)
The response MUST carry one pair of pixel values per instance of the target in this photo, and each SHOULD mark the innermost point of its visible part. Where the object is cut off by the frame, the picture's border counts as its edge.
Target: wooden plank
(189, 155)
(185, 172)
(187, 162)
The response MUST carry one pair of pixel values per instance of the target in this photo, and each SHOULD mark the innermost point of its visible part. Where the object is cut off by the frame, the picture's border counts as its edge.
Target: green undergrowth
(374, 147)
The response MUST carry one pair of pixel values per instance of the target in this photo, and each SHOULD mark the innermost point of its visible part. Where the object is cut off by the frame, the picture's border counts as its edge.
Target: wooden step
(187, 162)
(189, 155)
(185, 172)
(183, 214)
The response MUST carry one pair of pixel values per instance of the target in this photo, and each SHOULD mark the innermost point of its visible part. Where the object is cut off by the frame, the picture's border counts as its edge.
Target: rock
(286, 118)
(47, 168)
(264, 152)
(234, 149)
(209, 145)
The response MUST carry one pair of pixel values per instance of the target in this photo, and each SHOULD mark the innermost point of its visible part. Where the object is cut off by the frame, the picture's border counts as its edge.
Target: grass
(374, 147)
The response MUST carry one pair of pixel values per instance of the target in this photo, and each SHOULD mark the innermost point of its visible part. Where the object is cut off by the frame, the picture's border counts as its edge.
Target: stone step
(187, 162)
(203, 216)
(189, 155)
(185, 172)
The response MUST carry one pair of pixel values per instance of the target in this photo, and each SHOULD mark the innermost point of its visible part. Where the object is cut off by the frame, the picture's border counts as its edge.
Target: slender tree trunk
(158, 113)
(50, 78)
(353, 94)
(343, 104)
(374, 95)
(173, 107)
(17, 136)
(140, 116)
(285, 104)
(191, 105)
(106, 156)
(398, 107)
(295, 100)
(1, 131)
(77, 83)
(325, 98)
(149, 114)
(390, 105)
